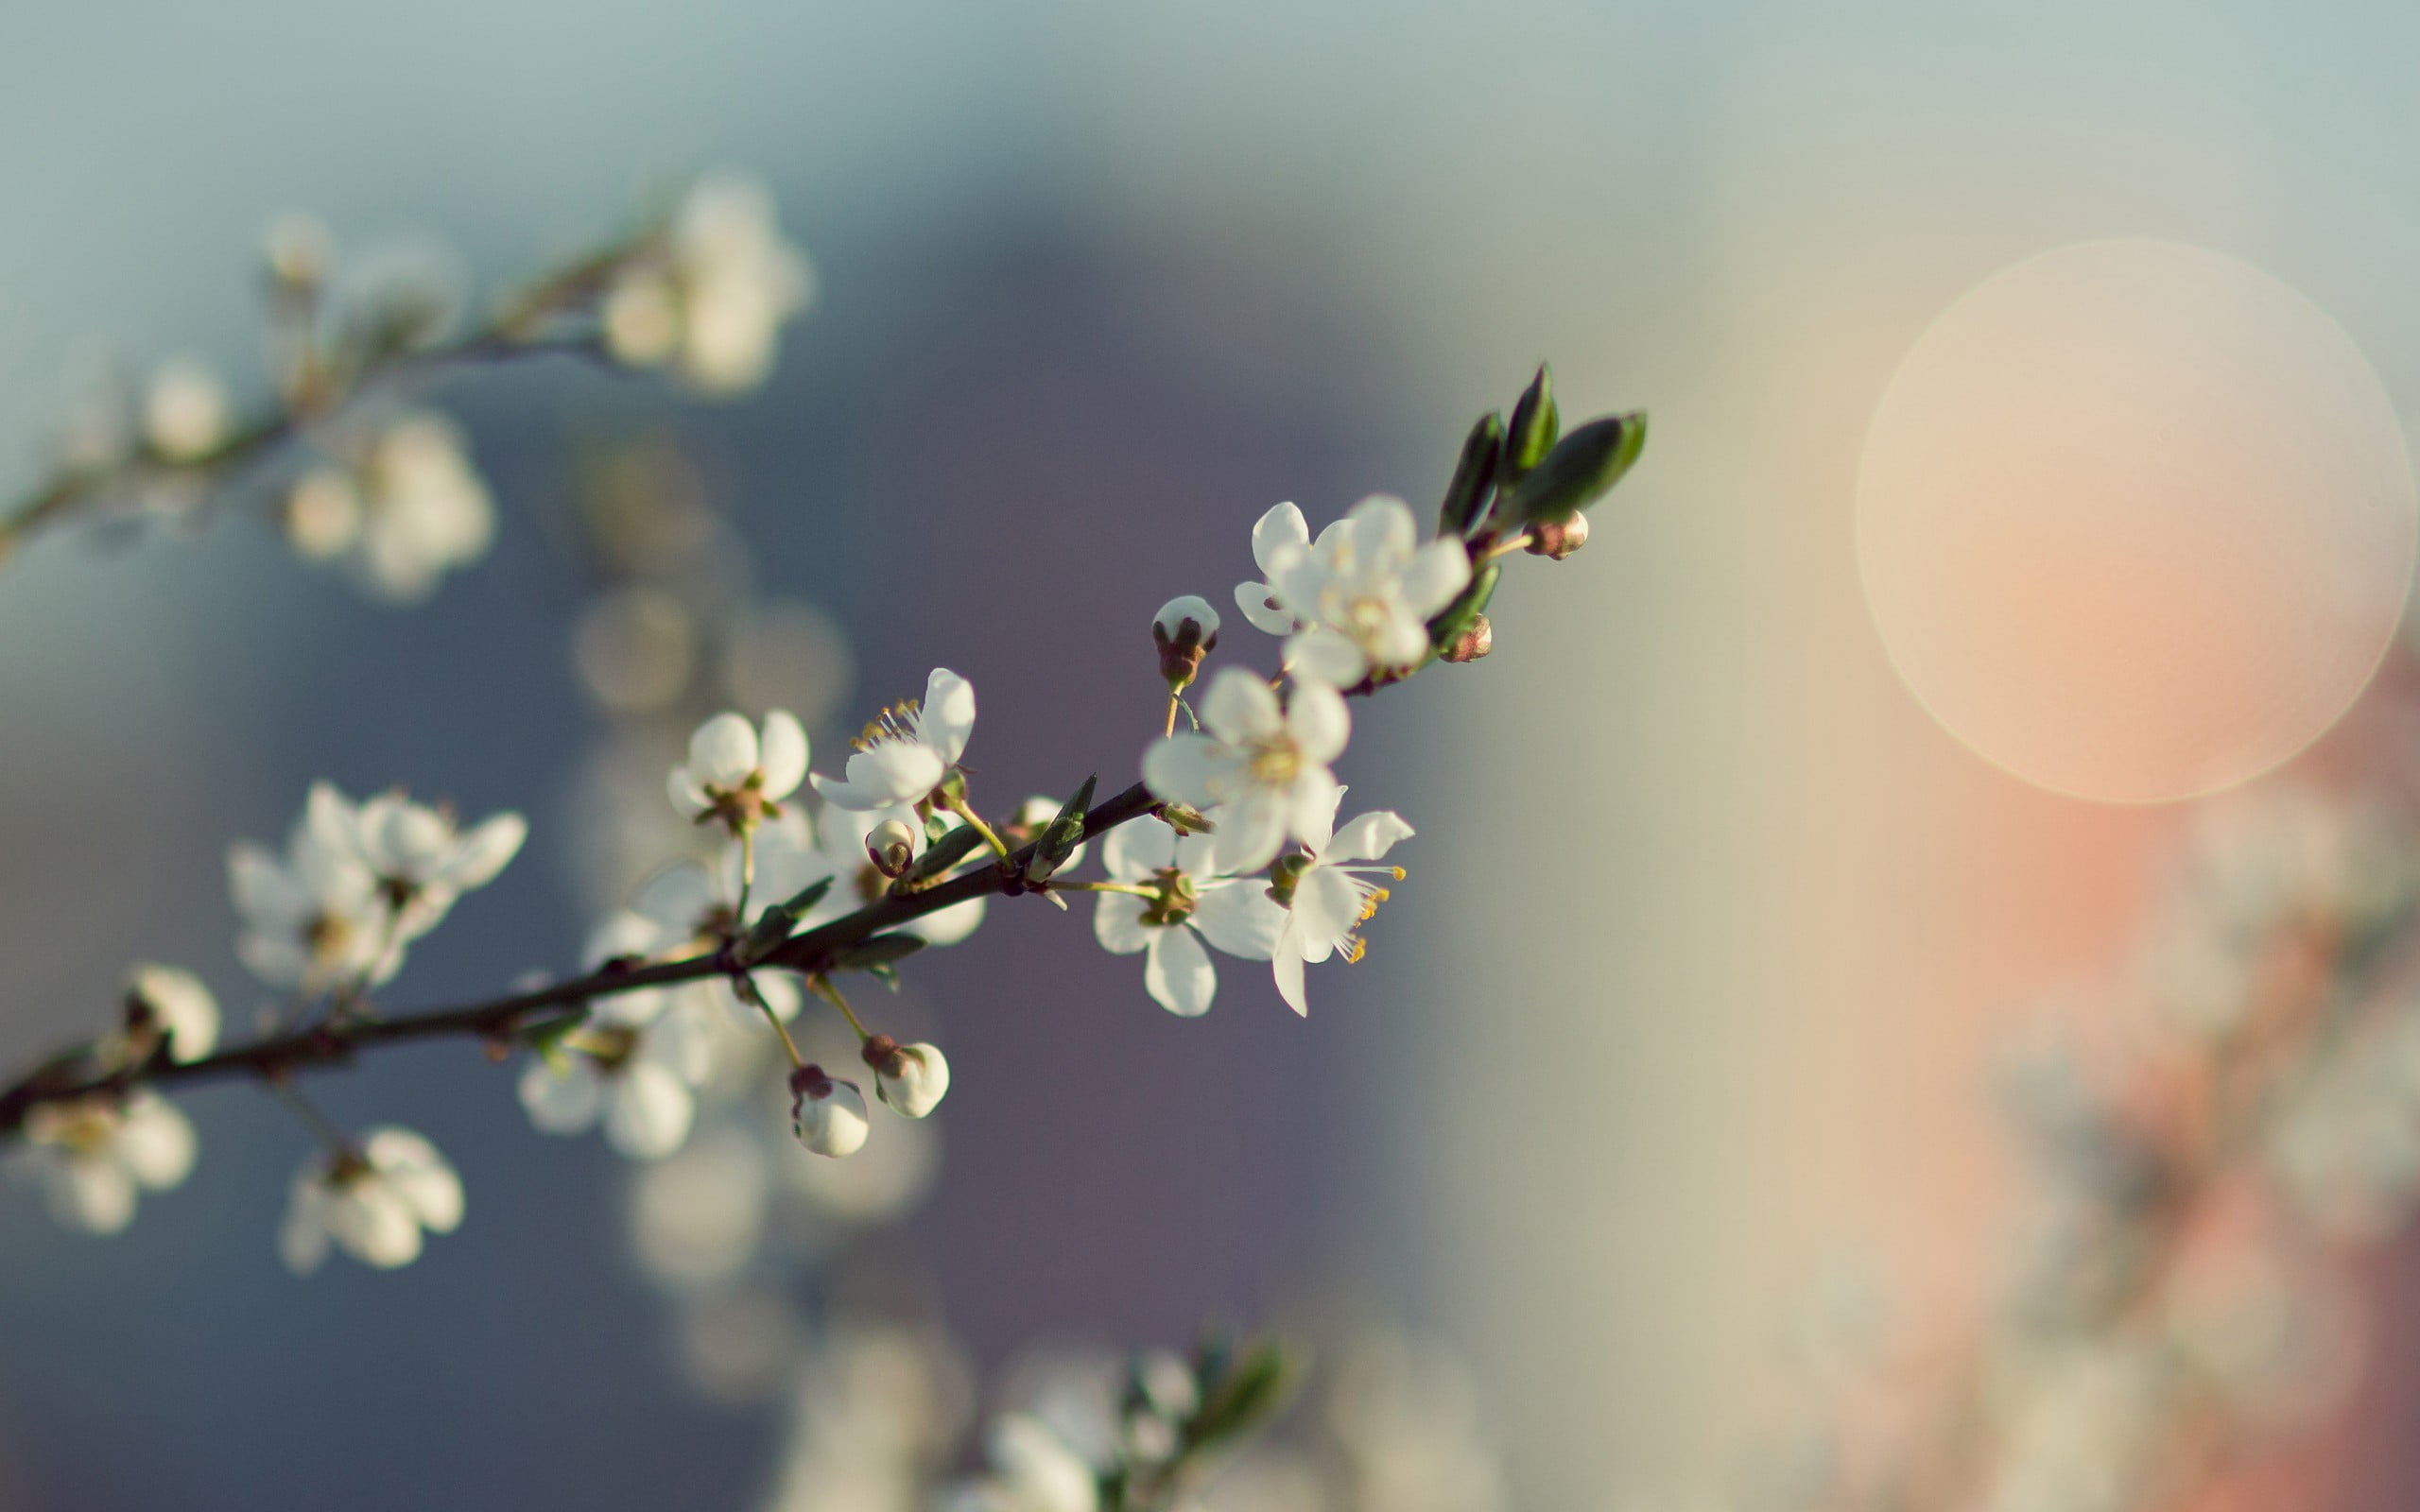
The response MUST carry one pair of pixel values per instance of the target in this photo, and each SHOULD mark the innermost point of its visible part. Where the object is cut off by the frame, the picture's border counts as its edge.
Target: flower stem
(821, 987)
(747, 874)
(1504, 547)
(957, 806)
(1172, 703)
(746, 986)
(338, 1142)
(1105, 887)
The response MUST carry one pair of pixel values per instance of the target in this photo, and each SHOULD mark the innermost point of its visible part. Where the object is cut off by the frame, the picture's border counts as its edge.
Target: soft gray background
(1101, 282)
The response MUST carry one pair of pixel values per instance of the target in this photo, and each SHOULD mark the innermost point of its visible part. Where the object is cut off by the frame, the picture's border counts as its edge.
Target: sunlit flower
(373, 1202)
(639, 1078)
(314, 918)
(736, 776)
(842, 835)
(1266, 766)
(173, 1003)
(912, 1079)
(907, 750)
(184, 411)
(1033, 1470)
(713, 303)
(94, 1154)
(410, 510)
(1332, 896)
(686, 910)
(422, 862)
(828, 1115)
(1234, 913)
(1365, 593)
(1278, 537)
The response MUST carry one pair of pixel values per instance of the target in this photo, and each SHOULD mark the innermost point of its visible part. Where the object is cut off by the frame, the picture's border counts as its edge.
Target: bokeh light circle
(2135, 520)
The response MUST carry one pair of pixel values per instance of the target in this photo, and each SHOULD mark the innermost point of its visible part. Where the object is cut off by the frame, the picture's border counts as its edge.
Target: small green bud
(1533, 429)
(1455, 621)
(1061, 836)
(1465, 506)
(1186, 820)
(880, 951)
(944, 853)
(1579, 471)
(775, 925)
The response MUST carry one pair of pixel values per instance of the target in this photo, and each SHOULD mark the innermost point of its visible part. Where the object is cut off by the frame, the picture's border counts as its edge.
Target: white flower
(316, 917)
(907, 751)
(1278, 537)
(176, 1004)
(911, 1078)
(684, 910)
(94, 1154)
(829, 1116)
(640, 1078)
(1365, 593)
(373, 1202)
(1268, 767)
(422, 862)
(1033, 1470)
(712, 302)
(1332, 898)
(841, 846)
(410, 510)
(1234, 913)
(184, 411)
(737, 775)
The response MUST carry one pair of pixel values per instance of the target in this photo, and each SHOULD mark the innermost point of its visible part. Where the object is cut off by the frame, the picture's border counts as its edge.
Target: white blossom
(184, 411)
(94, 1154)
(1364, 594)
(713, 303)
(1235, 914)
(841, 844)
(175, 1003)
(1266, 766)
(1277, 538)
(828, 1115)
(911, 1078)
(1033, 1470)
(1333, 897)
(411, 510)
(314, 918)
(907, 751)
(639, 1078)
(423, 861)
(686, 910)
(373, 1202)
(736, 775)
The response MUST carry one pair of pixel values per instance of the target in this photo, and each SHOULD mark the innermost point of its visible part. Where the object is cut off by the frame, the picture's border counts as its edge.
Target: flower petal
(1238, 917)
(1383, 532)
(947, 926)
(651, 1112)
(1317, 720)
(1328, 904)
(1133, 852)
(1321, 655)
(483, 852)
(1187, 768)
(564, 1100)
(155, 1143)
(418, 1173)
(1287, 965)
(782, 754)
(1368, 837)
(1239, 706)
(1178, 974)
(947, 717)
(1311, 808)
(688, 798)
(1250, 830)
(1261, 607)
(90, 1193)
(302, 1238)
(722, 752)
(1437, 572)
(1118, 924)
(1282, 525)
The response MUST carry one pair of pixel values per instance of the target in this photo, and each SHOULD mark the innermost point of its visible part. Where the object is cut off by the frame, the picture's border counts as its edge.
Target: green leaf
(1531, 431)
(1240, 1397)
(1466, 495)
(1579, 471)
(880, 951)
(946, 852)
(1060, 837)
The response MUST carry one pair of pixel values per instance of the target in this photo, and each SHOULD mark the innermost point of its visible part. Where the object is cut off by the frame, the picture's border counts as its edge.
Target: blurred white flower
(411, 510)
(686, 910)
(184, 411)
(842, 835)
(1235, 914)
(737, 777)
(697, 1216)
(372, 1203)
(907, 751)
(713, 303)
(1032, 1470)
(876, 1408)
(1364, 594)
(1333, 897)
(1406, 1416)
(174, 1003)
(828, 1115)
(1266, 766)
(94, 1154)
(640, 1078)
(1277, 538)
(314, 918)
(422, 862)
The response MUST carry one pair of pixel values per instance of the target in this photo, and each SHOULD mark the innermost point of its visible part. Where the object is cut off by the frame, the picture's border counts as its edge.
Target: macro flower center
(1175, 902)
(1275, 763)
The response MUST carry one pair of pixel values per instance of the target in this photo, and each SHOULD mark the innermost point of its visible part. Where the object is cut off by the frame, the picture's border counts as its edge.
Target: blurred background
(1722, 905)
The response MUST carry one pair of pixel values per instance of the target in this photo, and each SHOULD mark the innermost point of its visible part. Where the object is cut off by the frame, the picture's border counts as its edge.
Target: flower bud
(1559, 539)
(297, 250)
(891, 847)
(911, 1078)
(1186, 629)
(1477, 639)
(828, 1116)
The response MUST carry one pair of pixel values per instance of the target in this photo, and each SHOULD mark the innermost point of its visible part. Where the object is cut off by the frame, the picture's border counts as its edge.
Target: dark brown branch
(497, 1018)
